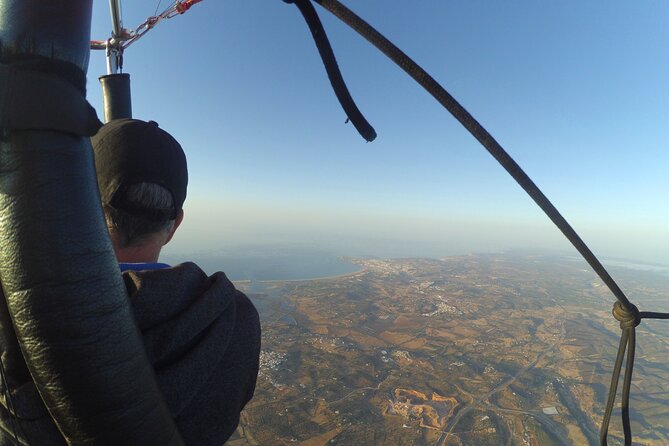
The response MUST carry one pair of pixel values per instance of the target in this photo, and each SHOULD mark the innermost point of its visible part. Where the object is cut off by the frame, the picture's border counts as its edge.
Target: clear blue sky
(575, 91)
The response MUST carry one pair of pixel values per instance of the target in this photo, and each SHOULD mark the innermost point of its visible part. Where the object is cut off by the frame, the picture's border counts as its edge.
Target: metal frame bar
(116, 17)
(114, 48)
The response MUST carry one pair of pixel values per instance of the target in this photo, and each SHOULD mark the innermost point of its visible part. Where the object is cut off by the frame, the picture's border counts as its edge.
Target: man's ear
(177, 222)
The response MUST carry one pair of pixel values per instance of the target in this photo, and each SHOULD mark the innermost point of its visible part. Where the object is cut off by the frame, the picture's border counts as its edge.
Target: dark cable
(10, 403)
(332, 68)
(624, 311)
(629, 318)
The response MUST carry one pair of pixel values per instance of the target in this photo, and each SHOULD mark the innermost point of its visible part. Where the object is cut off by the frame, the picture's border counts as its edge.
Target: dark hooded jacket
(202, 337)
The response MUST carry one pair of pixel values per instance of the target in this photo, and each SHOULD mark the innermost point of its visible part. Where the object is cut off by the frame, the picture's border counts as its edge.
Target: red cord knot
(628, 316)
(185, 5)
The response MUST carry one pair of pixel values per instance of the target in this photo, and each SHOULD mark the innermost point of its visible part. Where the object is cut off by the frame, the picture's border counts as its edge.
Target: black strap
(30, 100)
(330, 62)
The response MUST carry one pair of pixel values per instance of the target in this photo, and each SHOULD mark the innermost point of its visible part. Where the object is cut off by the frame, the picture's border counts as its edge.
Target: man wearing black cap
(201, 335)
(142, 176)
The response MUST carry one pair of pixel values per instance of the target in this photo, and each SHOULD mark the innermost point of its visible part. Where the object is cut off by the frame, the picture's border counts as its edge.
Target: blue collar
(142, 266)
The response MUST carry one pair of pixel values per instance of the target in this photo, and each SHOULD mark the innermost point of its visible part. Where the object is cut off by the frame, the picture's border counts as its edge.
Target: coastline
(337, 276)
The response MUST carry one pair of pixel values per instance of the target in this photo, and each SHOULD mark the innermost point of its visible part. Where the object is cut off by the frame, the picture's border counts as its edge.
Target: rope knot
(629, 317)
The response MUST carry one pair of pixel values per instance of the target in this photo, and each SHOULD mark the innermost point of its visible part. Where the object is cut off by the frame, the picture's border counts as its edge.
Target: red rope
(177, 8)
(184, 6)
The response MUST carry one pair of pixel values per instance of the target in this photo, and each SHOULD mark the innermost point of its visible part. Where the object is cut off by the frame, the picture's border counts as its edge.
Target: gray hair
(133, 229)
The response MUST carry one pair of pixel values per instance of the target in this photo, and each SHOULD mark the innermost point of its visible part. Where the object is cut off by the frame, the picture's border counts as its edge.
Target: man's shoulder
(164, 277)
(246, 311)
(185, 288)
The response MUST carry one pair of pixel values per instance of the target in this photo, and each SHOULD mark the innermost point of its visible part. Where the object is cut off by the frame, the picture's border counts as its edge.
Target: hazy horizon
(387, 235)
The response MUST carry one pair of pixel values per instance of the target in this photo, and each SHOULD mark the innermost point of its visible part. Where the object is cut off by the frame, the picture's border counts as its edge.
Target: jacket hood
(186, 319)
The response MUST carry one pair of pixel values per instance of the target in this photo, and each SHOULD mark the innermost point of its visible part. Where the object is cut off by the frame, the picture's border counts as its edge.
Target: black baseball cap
(130, 151)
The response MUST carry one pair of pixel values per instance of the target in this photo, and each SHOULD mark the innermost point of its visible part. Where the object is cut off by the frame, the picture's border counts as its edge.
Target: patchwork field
(475, 350)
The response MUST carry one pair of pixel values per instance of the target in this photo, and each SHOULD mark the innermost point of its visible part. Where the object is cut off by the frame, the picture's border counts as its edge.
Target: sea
(291, 262)
(267, 263)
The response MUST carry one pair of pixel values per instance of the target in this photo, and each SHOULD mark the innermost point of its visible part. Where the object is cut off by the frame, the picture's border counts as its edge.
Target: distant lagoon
(629, 264)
